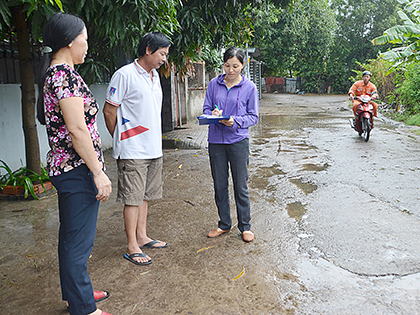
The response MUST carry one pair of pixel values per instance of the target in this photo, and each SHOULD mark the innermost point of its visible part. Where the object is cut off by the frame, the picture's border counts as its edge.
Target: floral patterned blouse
(62, 82)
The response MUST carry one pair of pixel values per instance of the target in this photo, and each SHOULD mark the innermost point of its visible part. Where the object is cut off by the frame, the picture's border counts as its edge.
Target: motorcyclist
(363, 87)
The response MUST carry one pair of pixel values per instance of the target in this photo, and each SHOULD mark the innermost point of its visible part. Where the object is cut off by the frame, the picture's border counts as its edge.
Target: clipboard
(210, 119)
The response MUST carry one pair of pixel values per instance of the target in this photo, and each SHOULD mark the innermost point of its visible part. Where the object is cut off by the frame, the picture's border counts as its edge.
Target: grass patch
(395, 116)
(413, 120)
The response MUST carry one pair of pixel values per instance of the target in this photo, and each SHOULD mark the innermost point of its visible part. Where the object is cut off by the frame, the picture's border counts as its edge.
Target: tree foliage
(298, 41)
(115, 28)
(405, 38)
(316, 38)
(276, 40)
(35, 11)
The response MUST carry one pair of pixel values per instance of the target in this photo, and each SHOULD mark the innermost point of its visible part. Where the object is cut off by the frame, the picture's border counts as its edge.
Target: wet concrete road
(336, 222)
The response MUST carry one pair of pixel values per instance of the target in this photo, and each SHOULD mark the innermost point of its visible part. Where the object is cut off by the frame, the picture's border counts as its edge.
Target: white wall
(12, 142)
(195, 104)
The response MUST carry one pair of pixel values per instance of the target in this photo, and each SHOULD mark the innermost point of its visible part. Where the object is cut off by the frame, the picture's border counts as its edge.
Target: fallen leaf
(204, 248)
(240, 275)
(180, 166)
(133, 308)
(13, 284)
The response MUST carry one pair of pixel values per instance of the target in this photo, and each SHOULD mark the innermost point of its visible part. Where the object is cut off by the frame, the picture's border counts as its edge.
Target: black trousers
(78, 212)
(236, 156)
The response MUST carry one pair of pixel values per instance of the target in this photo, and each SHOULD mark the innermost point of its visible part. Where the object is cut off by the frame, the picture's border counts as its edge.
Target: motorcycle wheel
(366, 127)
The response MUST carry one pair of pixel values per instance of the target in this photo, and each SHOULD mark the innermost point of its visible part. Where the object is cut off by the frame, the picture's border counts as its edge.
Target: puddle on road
(260, 141)
(296, 210)
(260, 178)
(293, 146)
(314, 168)
(268, 171)
(286, 276)
(299, 144)
(307, 188)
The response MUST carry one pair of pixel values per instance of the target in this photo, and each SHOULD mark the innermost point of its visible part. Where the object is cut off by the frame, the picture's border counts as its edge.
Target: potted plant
(24, 181)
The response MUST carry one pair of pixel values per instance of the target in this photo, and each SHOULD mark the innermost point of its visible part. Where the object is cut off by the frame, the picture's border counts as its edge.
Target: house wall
(195, 103)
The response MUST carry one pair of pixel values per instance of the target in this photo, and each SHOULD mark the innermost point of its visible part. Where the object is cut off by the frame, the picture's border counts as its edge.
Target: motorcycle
(363, 124)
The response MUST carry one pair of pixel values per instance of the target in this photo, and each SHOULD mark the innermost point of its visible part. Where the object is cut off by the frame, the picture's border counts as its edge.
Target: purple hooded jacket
(241, 102)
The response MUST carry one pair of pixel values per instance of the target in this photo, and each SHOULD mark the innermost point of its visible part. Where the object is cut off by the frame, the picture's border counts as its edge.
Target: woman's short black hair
(234, 52)
(153, 40)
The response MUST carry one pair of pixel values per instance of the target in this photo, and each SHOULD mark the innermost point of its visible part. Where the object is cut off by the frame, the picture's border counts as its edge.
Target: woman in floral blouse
(75, 162)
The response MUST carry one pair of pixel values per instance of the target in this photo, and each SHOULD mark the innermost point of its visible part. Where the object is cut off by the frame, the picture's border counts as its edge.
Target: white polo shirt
(138, 133)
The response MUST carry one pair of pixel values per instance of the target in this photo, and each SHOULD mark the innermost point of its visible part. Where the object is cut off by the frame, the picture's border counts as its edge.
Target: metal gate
(291, 85)
(255, 75)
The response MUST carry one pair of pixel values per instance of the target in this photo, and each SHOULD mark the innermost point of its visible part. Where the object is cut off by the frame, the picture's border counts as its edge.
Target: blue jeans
(78, 212)
(237, 156)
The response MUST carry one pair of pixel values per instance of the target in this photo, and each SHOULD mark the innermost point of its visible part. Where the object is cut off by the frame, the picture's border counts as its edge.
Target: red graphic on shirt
(133, 132)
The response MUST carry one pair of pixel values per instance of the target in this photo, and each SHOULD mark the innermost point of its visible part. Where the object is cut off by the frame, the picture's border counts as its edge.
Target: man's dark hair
(153, 40)
(234, 52)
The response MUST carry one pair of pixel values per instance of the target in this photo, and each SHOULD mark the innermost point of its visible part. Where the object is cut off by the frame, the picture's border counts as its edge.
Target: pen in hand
(215, 105)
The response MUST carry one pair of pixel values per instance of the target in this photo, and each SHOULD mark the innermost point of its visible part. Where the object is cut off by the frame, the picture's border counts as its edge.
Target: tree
(358, 23)
(297, 41)
(316, 38)
(276, 37)
(19, 17)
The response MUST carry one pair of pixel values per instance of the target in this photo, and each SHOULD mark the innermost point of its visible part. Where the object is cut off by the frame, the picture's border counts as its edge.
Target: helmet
(367, 73)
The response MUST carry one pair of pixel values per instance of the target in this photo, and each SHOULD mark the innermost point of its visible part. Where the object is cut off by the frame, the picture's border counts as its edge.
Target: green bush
(409, 91)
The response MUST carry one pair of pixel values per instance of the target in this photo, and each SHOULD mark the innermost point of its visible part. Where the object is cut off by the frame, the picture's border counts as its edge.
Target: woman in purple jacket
(231, 94)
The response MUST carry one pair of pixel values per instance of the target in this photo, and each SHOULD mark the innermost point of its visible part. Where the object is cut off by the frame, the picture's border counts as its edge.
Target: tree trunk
(33, 161)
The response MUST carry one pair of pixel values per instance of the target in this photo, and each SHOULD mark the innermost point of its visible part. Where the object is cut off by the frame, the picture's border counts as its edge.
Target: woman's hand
(228, 122)
(217, 112)
(103, 184)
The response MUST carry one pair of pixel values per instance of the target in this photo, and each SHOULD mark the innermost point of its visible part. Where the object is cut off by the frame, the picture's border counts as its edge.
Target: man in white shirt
(133, 117)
